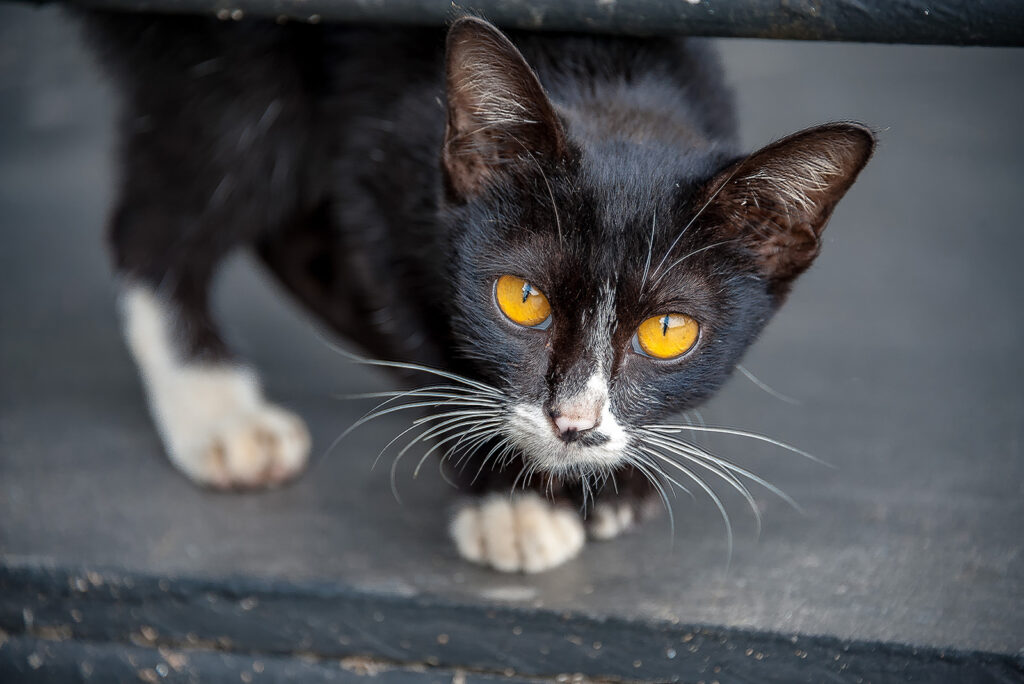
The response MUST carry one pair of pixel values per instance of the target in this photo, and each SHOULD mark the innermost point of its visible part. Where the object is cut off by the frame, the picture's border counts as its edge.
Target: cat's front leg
(190, 194)
(216, 425)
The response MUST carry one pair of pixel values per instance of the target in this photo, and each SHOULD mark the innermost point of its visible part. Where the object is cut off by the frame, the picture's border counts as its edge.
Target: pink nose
(573, 420)
(574, 423)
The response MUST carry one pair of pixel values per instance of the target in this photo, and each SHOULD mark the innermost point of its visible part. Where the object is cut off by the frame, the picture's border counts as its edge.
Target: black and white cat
(560, 225)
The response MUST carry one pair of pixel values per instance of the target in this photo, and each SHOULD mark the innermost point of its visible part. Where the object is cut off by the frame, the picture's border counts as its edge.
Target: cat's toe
(610, 519)
(524, 533)
(264, 448)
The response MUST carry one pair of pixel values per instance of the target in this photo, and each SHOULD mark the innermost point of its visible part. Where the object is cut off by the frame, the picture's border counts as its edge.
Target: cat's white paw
(214, 422)
(609, 519)
(221, 433)
(263, 448)
(523, 533)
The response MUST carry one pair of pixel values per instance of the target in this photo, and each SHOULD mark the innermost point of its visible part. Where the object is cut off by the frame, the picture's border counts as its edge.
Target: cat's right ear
(499, 118)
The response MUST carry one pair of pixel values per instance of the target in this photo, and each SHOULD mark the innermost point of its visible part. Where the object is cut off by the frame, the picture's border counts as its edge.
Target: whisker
(466, 391)
(373, 414)
(455, 419)
(641, 464)
(739, 433)
(393, 440)
(723, 474)
(443, 428)
(498, 445)
(394, 464)
(458, 447)
(690, 421)
(470, 422)
(551, 195)
(689, 223)
(717, 460)
(365, 418)
(419, 404)
(405, 449)
(398, 394)
(437, 445)
(661, 473)
(444, 475)
(650, 248)
(500, 458)
(767, 388)
(693, 253)
(515, 482)
(586, 491)
(415, 367)
(459, 412)
(471, 447)
(707, 487)
(711, 494)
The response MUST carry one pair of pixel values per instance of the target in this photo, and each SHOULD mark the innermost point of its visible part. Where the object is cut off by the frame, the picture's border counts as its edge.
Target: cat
(557, 231)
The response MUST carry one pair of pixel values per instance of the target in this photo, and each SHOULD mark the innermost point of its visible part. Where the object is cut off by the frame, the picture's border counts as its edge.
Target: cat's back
(315, 110)
(360, 72)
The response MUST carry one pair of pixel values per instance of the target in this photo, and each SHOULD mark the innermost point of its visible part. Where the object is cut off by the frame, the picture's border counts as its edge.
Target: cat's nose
(572, 421)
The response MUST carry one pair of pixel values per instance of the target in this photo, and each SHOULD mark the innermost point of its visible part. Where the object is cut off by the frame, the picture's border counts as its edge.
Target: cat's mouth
(600, 448)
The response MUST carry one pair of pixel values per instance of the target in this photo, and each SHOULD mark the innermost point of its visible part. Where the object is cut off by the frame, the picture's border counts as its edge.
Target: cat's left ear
(499, 118)
(777, 201)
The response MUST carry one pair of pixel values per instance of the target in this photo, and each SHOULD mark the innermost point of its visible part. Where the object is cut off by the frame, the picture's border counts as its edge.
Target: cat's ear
(498, 115)
(777, 201)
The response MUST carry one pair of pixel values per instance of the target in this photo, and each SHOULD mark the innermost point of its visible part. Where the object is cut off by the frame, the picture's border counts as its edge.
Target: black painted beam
(950, 22)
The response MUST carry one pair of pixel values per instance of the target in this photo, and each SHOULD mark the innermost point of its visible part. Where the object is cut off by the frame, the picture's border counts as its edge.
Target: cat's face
(602, 287)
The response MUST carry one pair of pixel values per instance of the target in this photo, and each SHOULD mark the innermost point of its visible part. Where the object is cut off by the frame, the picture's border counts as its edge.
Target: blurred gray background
(902, 346)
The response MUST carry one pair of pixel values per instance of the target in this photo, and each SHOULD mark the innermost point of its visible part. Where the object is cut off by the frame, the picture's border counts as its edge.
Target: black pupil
(664, 325)
(526, 291)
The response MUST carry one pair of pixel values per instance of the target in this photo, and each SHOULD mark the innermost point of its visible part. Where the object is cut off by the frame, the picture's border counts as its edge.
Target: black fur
(330, 150)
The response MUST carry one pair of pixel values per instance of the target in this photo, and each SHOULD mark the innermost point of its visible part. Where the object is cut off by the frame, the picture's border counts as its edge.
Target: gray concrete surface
(903, 346)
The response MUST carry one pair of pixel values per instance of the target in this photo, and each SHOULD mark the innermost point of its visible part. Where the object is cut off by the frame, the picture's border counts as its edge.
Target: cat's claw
(522, 533)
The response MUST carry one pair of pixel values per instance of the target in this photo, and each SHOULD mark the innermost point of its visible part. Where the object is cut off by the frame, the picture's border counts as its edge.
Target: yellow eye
(667, 336)
(521, 302)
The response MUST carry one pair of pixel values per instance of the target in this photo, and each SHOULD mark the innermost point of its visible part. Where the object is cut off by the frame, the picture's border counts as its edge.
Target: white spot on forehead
(599, 332)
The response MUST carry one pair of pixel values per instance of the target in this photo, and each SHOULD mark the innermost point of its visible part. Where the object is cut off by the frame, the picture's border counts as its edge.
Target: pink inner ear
(499, 117)
(778, 200)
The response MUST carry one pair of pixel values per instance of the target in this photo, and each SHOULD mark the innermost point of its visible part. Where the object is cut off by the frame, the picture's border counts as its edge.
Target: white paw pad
(523, 533)
(610, 519)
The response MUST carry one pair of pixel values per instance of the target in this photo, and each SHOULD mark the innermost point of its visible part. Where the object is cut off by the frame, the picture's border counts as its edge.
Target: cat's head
(602, 284)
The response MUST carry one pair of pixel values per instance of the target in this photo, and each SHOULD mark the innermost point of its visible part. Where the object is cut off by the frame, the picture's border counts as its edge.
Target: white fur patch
(214, 422)
(532, 431)
(609, 520)
(523, 533)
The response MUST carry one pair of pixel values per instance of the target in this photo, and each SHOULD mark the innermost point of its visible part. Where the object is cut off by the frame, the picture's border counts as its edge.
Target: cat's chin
(604, 448)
